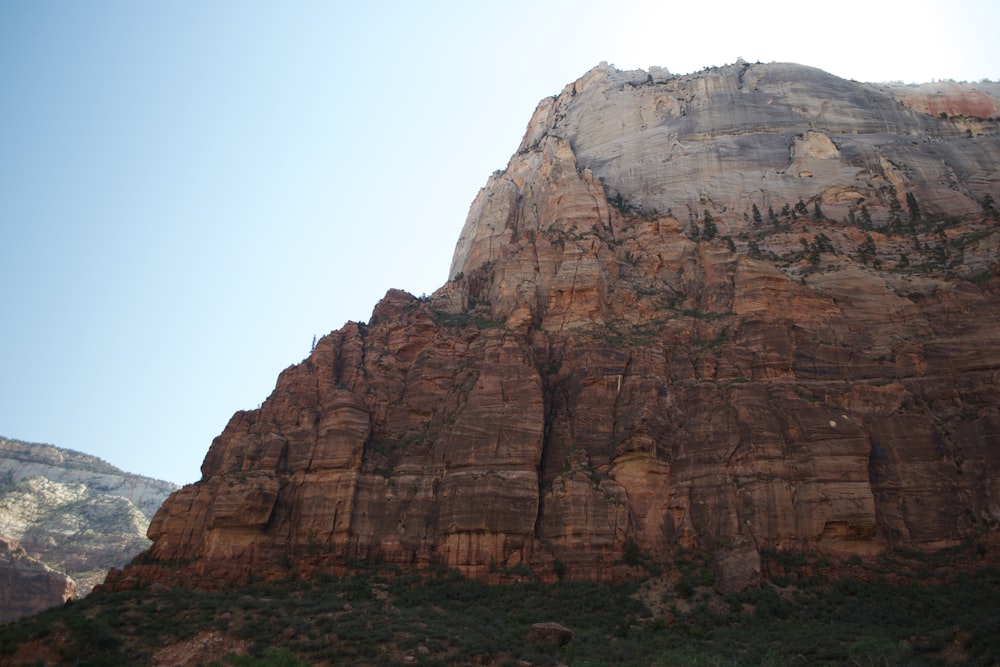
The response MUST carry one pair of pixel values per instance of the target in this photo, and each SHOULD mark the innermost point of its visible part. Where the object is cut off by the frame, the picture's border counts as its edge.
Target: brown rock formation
(656, 335)
(948, 98)
(28, 586)
(549, 633)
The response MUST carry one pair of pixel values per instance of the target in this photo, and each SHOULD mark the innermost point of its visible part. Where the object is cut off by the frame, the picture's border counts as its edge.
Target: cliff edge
(748, 308)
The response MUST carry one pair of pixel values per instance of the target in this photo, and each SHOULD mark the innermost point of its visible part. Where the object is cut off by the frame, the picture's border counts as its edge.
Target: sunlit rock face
(66, 518)
(750, 308)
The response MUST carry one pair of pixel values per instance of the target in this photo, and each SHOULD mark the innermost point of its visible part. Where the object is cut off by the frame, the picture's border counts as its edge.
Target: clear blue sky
(190, 191)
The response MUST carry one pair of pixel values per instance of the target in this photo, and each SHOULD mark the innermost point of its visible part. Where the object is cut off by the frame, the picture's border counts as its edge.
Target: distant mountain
(66, 518)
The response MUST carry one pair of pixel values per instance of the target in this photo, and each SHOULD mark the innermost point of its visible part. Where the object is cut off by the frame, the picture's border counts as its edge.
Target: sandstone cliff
(752, 307)
(68, 517)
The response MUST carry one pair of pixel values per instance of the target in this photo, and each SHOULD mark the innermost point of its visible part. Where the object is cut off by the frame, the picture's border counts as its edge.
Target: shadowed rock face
(28, 586)
(693, 311)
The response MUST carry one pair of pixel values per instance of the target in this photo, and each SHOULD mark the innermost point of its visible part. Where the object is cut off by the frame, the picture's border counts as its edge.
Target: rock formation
(749, 308)
(65, 519)
(28, 586)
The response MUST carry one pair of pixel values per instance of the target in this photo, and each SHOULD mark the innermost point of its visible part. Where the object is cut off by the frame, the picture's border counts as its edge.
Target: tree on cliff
(914, 207)
(865, 218)
(818, 212)
(895, 222)
(867, 249)
(710, 229)
(989, 207)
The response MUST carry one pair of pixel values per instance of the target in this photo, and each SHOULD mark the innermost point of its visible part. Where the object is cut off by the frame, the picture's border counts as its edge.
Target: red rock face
(596, 376)
(27, 586)
(952, 99)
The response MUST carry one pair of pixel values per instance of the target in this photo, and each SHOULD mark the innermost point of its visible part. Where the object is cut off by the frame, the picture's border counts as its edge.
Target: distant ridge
(65, 514)
(36, 452)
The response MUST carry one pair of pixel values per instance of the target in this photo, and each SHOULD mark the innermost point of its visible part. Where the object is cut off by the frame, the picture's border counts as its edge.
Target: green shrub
(456, 621)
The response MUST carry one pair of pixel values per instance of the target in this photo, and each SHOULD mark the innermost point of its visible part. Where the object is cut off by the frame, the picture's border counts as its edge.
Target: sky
(191, 191)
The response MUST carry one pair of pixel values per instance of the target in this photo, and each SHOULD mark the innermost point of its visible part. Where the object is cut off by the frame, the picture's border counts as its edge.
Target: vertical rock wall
(665, 327)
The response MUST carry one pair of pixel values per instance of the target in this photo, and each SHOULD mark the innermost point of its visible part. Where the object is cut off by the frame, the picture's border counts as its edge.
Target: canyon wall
(750, 308)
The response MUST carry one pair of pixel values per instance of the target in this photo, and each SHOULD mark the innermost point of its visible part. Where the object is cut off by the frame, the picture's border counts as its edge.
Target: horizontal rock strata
(751, 308)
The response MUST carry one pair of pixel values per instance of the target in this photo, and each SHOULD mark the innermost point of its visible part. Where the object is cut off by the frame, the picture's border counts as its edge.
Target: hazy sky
(190, 191)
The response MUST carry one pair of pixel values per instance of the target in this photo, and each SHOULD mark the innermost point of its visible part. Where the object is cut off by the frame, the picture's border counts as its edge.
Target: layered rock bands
(755, 307)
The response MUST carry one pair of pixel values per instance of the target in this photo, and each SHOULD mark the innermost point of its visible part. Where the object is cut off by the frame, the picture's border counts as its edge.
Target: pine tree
(895, 211)
(817, 213)
(867, 249)
(989, 207)
(710, 229)
(866, 218)
(914, 207)
(822, 243)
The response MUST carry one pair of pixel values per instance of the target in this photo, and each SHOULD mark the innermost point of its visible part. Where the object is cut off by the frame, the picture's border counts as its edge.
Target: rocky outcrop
(75, 513)
(28, 586)
(948, 99)
(549, 633)
(749, 308)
